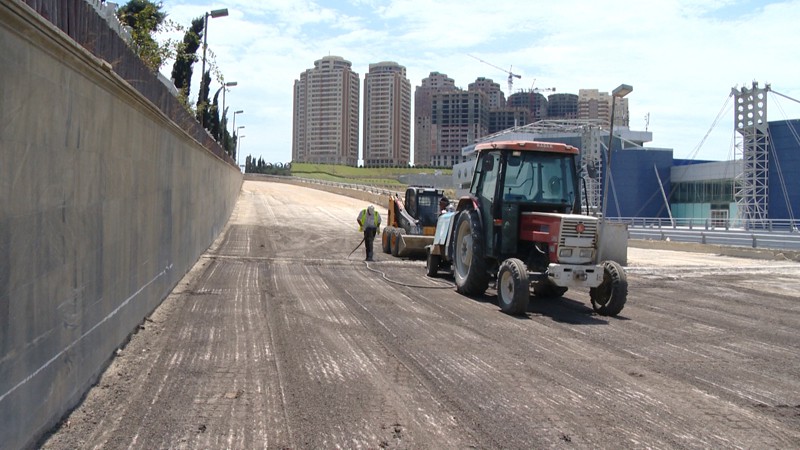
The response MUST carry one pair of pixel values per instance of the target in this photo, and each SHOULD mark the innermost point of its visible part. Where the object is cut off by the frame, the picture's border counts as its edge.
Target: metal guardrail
(354, 186)
(772, 234)
(769, 234)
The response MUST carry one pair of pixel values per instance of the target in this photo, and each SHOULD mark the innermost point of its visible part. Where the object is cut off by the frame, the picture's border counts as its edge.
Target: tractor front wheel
(609, 298)
(469, 265)
(513, 287)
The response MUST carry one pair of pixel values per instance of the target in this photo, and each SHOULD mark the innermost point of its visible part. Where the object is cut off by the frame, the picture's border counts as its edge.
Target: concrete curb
(738, 252)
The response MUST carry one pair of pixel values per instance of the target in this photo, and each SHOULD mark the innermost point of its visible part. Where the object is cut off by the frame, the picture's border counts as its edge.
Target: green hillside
(384, 176)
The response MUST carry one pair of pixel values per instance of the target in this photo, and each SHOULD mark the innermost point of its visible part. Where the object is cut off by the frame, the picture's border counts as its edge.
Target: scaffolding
(751, 193)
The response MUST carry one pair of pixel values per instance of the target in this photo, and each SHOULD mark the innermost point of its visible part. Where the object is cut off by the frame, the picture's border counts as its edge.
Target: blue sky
(682, 57)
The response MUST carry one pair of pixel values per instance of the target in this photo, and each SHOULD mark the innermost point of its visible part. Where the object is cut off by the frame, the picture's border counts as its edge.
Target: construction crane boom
(511, 75)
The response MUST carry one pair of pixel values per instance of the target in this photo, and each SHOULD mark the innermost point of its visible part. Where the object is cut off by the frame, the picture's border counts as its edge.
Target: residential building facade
(534, 102)
(425, 133)
(593, 104)
(387, 116)
(492, 90)
(458, 118)
(562, 106)
(325, 116)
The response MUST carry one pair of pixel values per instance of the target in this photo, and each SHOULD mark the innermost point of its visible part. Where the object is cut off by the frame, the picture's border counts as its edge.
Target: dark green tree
(145, 18)
(186, 56)
(203, 108)
(214, 123)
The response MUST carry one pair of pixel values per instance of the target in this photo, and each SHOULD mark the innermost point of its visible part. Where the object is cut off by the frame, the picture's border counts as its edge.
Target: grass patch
(377, 176)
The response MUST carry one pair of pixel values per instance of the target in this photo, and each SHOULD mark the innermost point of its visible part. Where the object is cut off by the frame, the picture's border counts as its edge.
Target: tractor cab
(512, 181)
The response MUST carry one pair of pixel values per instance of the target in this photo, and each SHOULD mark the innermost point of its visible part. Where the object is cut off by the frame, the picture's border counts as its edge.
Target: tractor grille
(570, 227)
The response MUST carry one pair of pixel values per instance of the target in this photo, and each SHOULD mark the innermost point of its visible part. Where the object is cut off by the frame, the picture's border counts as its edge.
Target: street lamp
(238, 143)
(621, 91)
(241, 111)
(224, 89)
(214, 14)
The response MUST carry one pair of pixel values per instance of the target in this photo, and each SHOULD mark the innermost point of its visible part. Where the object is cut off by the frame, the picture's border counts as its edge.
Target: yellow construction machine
(412, 222)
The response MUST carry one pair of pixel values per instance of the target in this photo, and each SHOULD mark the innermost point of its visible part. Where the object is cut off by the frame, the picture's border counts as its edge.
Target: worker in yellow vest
(369, 221)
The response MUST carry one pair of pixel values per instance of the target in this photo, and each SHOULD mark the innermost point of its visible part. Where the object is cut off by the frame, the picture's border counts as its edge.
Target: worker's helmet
(371, 209)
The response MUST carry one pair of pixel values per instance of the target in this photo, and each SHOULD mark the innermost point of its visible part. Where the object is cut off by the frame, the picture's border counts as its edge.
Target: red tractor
(522, 226)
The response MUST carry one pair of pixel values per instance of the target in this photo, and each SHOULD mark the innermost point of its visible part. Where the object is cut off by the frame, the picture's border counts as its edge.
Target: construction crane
(537, 90)
(511, 75)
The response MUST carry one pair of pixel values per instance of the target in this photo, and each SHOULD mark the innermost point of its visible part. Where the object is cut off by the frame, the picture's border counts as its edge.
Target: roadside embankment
(105, 203)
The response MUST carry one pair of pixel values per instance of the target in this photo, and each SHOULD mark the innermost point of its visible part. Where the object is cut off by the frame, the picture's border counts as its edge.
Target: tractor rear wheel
(432, 264)
(469, 265)
(385, 240)
(513, 287)
(609, 298)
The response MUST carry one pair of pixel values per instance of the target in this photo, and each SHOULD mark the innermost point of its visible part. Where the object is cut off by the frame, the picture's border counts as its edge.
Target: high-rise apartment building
(492, 90)
(425, 133)
(459, 118)
(504, 118)
(593, 104)
(325, 122)
(562, 106)
(531, 100)
(387, 116)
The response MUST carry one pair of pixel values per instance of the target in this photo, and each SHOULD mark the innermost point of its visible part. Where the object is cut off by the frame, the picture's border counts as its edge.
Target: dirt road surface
(278, 339)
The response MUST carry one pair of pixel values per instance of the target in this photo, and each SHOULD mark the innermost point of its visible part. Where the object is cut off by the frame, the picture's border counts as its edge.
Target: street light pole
(221, 116)
(621, 91)
(237, 142)
(234, 131)
(214, 14)
(227, 85)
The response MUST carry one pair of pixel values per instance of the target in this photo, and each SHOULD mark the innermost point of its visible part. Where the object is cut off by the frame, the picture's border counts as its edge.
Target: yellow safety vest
(375, 216)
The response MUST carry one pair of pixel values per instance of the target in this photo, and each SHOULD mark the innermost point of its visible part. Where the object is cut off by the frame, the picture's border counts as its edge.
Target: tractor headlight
(565, 252)
(586, 253)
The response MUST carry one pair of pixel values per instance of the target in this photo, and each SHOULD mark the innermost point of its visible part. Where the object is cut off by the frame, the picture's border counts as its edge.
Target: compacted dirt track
(278, 339)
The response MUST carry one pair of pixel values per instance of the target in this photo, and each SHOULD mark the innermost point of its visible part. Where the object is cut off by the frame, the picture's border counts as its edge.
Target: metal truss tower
(752, 195)
(592, 167)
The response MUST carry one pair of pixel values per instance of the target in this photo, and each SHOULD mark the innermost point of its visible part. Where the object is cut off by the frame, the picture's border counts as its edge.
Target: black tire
(547, 289)
(385, 240)
(432, 264)
(469, 264)
(609, 298)
(396, 240)
(513, 287)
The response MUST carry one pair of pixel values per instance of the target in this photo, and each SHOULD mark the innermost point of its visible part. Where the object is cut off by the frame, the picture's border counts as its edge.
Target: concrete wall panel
(104, 205)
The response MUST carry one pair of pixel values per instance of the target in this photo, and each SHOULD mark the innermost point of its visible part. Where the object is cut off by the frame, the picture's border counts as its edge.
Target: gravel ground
(278, 339)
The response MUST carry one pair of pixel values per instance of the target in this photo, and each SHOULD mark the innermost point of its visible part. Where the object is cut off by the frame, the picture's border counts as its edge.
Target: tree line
(145, 19)
(253, 165)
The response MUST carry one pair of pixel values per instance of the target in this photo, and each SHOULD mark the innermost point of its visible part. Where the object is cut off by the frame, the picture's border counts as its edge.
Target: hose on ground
(383, 274)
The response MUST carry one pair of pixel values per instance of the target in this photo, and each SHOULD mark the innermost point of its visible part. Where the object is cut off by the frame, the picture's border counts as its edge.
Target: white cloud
(681, 56)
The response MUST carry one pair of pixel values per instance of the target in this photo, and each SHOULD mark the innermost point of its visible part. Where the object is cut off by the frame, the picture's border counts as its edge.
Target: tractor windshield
(540, 177)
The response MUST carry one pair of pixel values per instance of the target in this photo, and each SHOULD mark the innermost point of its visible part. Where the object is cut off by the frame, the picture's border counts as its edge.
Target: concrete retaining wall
(104, 205)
